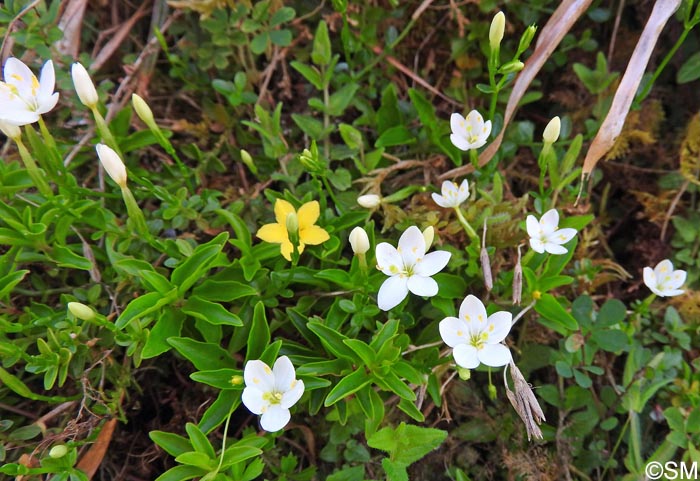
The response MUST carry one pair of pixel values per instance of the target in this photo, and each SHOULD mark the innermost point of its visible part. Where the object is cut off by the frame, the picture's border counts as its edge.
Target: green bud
(511, 67)
(81, 311)
(551, 131)
(247, 159)
(464, 373)
(236, 380)
(143, 111)
(58, 451)
(292, 223)
(492, 391)
(526, 39)
(311, 161)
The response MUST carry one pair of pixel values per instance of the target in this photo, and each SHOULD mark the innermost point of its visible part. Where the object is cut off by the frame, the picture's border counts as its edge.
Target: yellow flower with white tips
(23, 97)
(306, 233)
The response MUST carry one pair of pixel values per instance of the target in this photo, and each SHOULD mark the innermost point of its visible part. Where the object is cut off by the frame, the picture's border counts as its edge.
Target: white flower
(271, 392)
(475, 337)
(551, 131)
(497, 29)
(663, 280)
(469, 133)
(112, 163)
(84, 86)
(452, 196)
(545, 235)
(23, 98)
(409, 268)
(359, 240)
(369, 201)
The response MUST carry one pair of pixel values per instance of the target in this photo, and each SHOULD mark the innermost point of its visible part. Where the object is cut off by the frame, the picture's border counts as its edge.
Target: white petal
(460, 142)
(458, 124)
(20, 116)
(663, 269)
(533, 227)
(466, 356)
(472, 310)
(537, 245)
(422, 286)
(555, 249)
(20, 76)
(290, 397)
(463, 191)
(47, 82)
(549, 221)
(253, 399)
(46, 105)
(441, 201)
(562, 236)
(501, 322)
(657, 291)
(275, 418)
(432, 263)
(672, 292)
(475, 121)
(388, 259)
(677, 279)
(479, 143)
(257, 374)
(411, 246)
(392, 292)
(649, 278)
(494, 355)
(284, 373)
(454, 331)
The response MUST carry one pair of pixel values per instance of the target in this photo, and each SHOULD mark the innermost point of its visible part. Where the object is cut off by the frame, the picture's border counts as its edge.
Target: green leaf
(394, 471)
(321, 53)
(259, 335)
(424, 108)
(281, 38)
(238, 454)
(259, 43)
(8, 282)
(548, 283)
(194, 267)
(350, 384)
(391, 382)
(283, 15)
(211, 312)
(15, 384)
(154, 281)
(340, 100)
(227, 402)
(611, 340)
(144, 305)
(203, 355)
(611, 313)
(65, 257)
(410, 408)
(310, 73)
(171, 443)
(310, 126)
(407, 443)
(364, 352)
(219, 378)
(199, 441)
(351, 136)
(554, 315)
(169, 324)
(690, 70)
(224, 291)
(181, 473)
(194, 458)
(332, 340)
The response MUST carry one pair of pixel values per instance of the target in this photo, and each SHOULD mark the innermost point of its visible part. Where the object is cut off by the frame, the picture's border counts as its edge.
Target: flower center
(478, 340)
(273, 397)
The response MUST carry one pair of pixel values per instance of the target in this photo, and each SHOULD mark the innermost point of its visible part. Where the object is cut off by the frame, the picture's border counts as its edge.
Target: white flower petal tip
(452, 195)
(663, 280)
(23, 97)
(470, 132)
(409, 268)
(545, 235)
(475, 337)
(271, 392)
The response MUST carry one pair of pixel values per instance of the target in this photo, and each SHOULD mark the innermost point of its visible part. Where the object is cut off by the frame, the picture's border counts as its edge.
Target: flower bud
(142, 110)
(498, 27)
(292, 223)
(247, 159)
(526, 39)
(464, 373)
(359, 240)
(81, 311)
(551, 131)
(11, 131)
(84, 86)
(511, 67)
(428, 236)
(312, 161)
(369, 201)
(112, 163)
(236, 380)
(58, 451)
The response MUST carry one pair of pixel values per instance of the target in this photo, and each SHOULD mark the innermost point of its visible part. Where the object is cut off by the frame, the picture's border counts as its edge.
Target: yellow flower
(308, 233)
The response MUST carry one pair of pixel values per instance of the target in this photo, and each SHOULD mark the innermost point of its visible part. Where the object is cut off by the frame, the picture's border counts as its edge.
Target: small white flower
(452, 195)
(23, 98)
(369, 201)
(84, 86)
(474, 337)
(663, 280)
(112, 163)
(469, 133)
(359, 240)
(409, 268)
(271, 392)
(497, 29)
(545, 235)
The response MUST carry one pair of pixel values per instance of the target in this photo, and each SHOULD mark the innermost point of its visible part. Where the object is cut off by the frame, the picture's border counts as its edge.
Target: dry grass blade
(612, 125)
(94, 456)
(72, 24)
(551, 34)
(123, 31)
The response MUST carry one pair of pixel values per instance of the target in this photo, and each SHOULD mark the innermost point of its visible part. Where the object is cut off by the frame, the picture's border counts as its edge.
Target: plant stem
(467, 227)
(32, 169)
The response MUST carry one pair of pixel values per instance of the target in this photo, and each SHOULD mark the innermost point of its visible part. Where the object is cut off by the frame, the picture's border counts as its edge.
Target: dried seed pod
(525, 403)
(485, 262)
(517, 281)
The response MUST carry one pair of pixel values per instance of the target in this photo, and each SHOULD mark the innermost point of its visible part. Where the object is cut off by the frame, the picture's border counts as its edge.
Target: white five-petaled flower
(475, 337)
(545, 234)
(663, 280)
(23, 98)
(409, 268)
(452, 195)
(469, 133)
(271, 392)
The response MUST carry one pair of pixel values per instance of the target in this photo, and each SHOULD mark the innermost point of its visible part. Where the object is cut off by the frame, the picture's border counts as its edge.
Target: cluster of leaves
(617, 381)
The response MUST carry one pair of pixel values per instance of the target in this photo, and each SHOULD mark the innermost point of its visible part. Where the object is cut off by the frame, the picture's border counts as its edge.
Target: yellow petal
(282, 210)
(274, 233)
(308, 214)
(313, 235)
(286, 249)
(300, 247)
